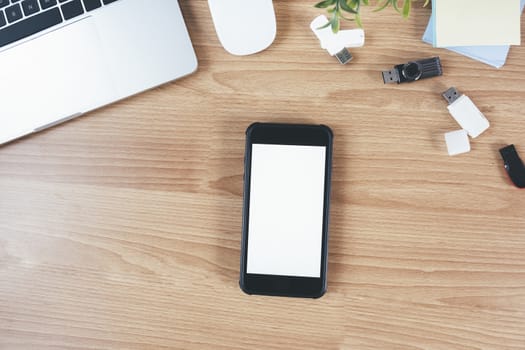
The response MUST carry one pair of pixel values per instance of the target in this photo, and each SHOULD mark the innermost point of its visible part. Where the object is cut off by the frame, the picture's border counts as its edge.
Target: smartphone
(286, 209)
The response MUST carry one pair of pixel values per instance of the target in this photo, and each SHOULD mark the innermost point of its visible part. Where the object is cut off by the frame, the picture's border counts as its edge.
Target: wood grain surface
(121, 229)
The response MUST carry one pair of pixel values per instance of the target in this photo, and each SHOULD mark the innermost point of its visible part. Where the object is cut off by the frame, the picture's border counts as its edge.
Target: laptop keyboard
(22, 18)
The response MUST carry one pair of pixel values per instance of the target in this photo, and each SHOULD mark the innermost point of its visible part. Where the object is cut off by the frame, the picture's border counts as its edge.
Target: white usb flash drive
(337, 44)
(465, 112)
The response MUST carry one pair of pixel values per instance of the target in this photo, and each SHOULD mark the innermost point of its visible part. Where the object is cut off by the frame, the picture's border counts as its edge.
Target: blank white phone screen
(285, 226)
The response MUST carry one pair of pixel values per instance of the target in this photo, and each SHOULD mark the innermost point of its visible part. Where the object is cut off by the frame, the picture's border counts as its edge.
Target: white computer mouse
(244, 27)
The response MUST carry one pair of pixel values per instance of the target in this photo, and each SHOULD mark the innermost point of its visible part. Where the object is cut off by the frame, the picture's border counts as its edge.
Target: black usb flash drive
(413, 70)
(513, 165)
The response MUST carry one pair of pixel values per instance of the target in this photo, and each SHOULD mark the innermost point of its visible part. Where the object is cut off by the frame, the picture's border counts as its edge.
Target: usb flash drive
(513, 165)
(414, 70)
(337, 44)
(465, 112)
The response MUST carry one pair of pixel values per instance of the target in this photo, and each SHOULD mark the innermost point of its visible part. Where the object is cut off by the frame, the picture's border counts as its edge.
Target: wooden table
(121, 229)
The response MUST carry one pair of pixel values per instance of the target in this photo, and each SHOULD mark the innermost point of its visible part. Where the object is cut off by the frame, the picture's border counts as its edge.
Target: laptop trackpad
(55, 76)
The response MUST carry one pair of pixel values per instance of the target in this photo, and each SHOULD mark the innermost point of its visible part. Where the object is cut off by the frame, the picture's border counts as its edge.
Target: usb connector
(391, 76)
(344, 56)
(451, 95)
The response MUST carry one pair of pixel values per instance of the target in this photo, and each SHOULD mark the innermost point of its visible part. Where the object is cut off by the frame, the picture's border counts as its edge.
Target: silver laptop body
(96, 58)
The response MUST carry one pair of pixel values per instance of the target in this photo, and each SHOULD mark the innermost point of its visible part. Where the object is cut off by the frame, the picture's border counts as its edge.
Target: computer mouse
(244, 27)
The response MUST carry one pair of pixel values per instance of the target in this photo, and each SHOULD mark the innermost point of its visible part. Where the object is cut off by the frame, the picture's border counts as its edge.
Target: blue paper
(492, 55)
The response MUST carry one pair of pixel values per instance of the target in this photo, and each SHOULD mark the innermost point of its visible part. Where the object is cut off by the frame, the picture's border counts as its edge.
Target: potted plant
(337, 9)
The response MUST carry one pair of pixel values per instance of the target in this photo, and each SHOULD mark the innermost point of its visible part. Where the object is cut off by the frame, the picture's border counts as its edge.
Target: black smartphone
(287, 170)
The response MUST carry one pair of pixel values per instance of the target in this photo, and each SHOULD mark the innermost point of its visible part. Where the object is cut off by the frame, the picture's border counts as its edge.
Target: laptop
(62, 58)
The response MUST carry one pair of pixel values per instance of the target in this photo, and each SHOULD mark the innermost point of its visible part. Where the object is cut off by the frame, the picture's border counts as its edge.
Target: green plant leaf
(346, 7)
(324, 25)
(382, 6)
(358, 21)
(335, 23)
(358, 5)
(406, 8)
(337, 8)
(325, 3)
(396, 7)
(345, 18)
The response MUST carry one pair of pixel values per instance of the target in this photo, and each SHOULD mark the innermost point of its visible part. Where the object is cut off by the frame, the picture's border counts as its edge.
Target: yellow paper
(477, 22)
